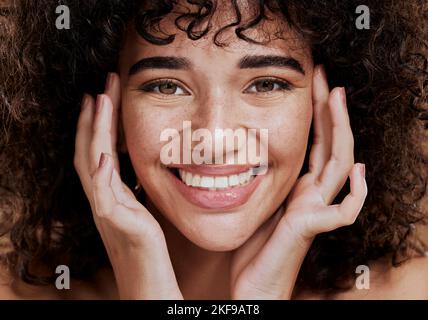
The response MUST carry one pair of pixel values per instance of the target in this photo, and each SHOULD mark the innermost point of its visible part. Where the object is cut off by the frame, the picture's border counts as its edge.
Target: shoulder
(100, 287)
(15, 289)
(408, 281)
(6, 285)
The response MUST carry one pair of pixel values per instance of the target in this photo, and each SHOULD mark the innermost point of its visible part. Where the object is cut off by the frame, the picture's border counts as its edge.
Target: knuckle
(335, 159)
(106, 213)
(348, 165)
(97, 182)
(350, 218)
(77, 164)
(101, 214)
(365, 192)
(101, 211)
(343, 163)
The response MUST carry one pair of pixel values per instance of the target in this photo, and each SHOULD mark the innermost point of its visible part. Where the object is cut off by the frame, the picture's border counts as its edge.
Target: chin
(220, 236)
(218, 245)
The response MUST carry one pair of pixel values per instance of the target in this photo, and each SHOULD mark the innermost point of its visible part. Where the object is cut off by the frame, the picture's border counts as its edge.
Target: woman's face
(241, 86)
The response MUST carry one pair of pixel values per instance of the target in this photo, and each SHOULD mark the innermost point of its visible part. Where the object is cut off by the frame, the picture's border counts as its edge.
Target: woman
(296, 231)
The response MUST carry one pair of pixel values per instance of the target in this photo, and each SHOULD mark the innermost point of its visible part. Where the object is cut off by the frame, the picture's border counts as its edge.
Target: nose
(216, 113)
(214, 109)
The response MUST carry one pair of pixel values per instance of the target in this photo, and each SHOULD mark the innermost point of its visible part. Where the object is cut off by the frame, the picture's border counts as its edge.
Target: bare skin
(134, 239)
(403, 282)
(253, 252)
(200, 275)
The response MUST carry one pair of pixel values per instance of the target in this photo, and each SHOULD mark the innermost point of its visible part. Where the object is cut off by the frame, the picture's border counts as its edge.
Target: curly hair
(45, 218)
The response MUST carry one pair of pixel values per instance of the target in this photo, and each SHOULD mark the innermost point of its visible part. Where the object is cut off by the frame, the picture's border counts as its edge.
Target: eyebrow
(247, 62)
(160, 62)
(270, 61)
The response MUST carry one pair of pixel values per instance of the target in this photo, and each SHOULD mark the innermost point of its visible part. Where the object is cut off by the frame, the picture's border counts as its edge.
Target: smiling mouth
(216, 187)
(214, 183)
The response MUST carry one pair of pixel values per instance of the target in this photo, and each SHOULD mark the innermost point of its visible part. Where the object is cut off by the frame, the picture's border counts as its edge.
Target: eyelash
(283, 85)
(150, 87)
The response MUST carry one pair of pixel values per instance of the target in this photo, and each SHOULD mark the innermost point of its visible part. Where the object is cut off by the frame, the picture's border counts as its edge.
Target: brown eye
(269, 85)
(164, 87)
(265, 85)
(168, 88)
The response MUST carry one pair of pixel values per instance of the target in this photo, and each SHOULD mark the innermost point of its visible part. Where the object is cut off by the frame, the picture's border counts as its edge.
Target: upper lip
(214, 170)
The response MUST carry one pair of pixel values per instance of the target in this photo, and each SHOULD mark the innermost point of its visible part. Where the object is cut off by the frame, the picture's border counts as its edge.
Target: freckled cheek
(142, 133)
(289, 137)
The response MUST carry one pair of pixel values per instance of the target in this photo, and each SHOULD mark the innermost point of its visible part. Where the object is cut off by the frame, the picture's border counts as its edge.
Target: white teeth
(188, 179)
(242, 177)
(221, 182)
(215, 182)
(182, 174)
(196, 182)
(207, 182)
(233, 180)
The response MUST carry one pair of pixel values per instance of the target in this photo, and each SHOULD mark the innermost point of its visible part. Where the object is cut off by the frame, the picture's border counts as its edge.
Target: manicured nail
(100, 102)
(109, 81)
(343, 96)
(362, 170)
(103, 160)
(85, 101)
(322, 71)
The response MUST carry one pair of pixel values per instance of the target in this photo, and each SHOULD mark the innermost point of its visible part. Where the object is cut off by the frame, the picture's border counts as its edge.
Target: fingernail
(85, 100)
(322, 71)
(100, 102)
(103, 160)
(362, 170)
(109, 81)
(343, 96)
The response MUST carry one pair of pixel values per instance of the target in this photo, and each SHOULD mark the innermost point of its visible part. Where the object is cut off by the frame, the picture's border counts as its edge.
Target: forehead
(274, 33)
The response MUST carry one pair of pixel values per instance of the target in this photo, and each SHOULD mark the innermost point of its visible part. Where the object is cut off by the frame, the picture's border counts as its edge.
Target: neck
(201, 274)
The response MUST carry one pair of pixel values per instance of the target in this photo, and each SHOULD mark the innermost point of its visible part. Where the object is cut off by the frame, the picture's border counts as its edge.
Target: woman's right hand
(134, 241)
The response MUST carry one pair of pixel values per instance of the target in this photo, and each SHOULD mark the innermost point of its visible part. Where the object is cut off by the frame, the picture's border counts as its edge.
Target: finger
(83, 140)
(336, 171)
(112, 89)
(344, 214)
(284, 250)
(103, 195)
(354, 201)
(122, 193)
(107, 205)
(321, 145)
(254, 245)
(101, 131)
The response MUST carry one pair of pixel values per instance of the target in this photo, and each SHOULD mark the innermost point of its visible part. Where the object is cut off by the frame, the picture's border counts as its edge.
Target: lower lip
(217, 199)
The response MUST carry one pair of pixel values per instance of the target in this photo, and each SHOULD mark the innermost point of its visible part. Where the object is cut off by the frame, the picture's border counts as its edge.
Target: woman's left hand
(267, 265)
